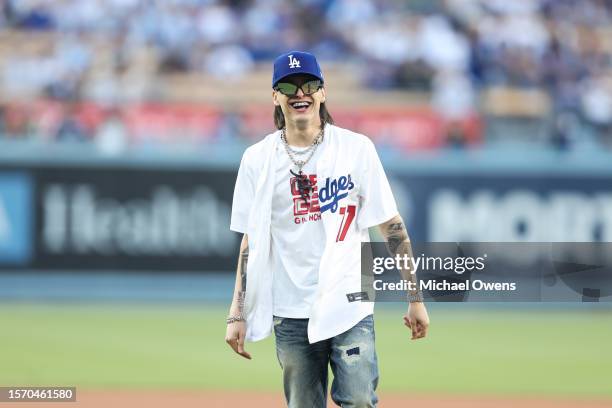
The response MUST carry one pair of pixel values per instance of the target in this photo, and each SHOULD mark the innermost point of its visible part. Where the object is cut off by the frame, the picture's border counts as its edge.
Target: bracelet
(415, 297)
(232, 319)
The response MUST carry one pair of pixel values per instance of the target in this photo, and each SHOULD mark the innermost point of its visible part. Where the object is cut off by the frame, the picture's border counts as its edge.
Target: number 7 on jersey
(348, 214)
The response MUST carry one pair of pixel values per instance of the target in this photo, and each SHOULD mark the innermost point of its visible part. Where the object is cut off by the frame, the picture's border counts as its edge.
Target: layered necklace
(303, 182)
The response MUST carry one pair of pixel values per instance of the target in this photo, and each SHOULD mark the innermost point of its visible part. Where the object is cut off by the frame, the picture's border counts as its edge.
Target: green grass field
(178, 347)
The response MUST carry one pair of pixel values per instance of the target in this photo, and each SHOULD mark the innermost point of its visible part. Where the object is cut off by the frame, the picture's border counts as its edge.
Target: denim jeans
(352, 358)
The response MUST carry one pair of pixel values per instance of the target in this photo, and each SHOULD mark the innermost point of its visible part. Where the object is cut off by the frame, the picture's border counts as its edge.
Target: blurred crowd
(455, 51)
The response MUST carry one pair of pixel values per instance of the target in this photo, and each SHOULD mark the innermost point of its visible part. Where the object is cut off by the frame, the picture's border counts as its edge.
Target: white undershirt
(298, 238)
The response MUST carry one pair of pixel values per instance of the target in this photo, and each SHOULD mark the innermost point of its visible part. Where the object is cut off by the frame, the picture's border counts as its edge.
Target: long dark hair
(279, 117)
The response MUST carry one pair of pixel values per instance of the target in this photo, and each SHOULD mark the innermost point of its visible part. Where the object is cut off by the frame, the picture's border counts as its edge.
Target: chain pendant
(303, 184)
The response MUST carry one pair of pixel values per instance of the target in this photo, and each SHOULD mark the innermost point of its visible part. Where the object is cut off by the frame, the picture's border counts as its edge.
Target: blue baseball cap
(295, 62)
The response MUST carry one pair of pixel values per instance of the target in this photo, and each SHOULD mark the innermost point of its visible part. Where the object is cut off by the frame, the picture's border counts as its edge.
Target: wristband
(232, 319)
(415, 297)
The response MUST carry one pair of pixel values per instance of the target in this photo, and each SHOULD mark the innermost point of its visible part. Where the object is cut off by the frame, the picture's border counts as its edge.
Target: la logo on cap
(293, 62)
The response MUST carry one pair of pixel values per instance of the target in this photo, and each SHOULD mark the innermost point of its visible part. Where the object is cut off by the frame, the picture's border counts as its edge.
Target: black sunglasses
(308, 87)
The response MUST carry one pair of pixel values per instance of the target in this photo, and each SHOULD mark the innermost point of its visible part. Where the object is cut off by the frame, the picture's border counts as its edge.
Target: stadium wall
(90, 212)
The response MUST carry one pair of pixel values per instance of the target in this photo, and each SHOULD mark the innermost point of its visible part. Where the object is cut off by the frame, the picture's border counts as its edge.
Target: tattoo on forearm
(396, 235)
(399, 243)
(244, 259)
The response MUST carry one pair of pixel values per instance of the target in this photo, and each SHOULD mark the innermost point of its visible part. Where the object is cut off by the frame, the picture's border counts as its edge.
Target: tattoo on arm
(396, 235)
(399, 244)
(244, 259)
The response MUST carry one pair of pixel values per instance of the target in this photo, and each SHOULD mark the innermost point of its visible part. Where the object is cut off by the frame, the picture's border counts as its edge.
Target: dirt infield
(218, 399)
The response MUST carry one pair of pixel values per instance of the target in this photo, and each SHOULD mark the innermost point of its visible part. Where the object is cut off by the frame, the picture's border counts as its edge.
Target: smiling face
(300, 110)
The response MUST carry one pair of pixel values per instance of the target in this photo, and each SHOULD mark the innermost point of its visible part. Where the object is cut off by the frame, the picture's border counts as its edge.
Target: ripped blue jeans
(352, 358)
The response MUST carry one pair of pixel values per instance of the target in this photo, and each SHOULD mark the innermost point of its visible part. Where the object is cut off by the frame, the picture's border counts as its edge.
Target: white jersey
(353, 195)
(297, 236)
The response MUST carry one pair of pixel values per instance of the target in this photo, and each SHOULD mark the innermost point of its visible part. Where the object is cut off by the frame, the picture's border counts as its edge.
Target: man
(304, 199)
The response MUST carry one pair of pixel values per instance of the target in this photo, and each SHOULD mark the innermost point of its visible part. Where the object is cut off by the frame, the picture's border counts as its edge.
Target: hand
(234, 336)
(417, 320)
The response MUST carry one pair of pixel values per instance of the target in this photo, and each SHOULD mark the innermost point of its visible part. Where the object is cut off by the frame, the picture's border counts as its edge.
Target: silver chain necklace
(310, 150)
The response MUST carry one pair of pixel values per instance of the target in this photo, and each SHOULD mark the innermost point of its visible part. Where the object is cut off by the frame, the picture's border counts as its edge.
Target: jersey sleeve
(377, 204)
(244, 191)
